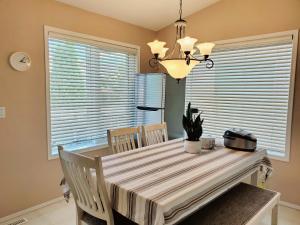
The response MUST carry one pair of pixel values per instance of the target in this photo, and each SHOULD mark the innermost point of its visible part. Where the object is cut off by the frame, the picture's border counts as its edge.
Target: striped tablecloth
(162, 184)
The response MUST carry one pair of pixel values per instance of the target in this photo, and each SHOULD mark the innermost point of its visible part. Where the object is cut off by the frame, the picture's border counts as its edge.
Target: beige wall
(238, 18)
(27, 177)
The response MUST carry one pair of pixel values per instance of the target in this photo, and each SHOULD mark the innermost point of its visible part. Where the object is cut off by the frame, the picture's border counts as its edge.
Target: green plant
(192, 123)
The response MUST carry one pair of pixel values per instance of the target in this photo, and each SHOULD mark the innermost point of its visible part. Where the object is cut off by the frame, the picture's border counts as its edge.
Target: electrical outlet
(2, 112)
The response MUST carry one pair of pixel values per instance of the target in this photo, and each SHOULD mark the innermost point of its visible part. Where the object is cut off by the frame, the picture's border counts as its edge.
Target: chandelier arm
(153, 62)
(195, 58)
(209, 63)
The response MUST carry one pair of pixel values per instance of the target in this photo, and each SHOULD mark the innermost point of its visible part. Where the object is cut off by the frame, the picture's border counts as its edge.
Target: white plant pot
(193, 147)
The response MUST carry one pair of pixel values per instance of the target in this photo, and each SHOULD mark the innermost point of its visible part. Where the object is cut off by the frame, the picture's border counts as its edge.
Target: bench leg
(274, 219)
(254, 178)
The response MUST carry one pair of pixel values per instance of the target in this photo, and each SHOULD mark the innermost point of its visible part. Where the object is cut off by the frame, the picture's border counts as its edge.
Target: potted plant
(192, 124)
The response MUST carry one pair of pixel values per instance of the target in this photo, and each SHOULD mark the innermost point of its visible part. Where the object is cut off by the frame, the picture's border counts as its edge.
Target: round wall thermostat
(20, 61)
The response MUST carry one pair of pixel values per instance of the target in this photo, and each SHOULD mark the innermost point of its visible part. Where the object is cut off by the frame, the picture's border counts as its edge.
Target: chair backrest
(124, 139)
(85, 178)
(154, 133)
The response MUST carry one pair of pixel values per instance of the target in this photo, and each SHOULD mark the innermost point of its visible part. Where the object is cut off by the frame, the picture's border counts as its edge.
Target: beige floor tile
(288, 216)
(34, 218)
(62, 213)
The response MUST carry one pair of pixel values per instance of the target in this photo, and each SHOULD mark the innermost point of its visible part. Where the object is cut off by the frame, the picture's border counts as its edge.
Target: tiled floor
(62, 213)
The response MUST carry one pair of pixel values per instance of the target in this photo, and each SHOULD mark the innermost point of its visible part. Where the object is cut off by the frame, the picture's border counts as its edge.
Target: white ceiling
(151, 14)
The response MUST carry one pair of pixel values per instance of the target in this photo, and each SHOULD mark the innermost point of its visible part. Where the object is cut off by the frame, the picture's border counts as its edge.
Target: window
(250, 87)
(91, 87)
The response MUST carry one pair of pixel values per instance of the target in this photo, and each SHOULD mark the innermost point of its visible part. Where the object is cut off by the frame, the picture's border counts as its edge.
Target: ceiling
(151, 14)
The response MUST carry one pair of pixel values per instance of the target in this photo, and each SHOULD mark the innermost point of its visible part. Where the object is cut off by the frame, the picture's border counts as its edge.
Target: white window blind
(91, 88)
(249, 87)
(150, 93)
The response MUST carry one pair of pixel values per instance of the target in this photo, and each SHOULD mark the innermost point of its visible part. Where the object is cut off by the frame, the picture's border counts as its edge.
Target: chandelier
(181, 59)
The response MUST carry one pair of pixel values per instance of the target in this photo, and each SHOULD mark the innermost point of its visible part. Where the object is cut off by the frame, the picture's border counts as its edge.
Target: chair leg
(79, 213)
(274, 219)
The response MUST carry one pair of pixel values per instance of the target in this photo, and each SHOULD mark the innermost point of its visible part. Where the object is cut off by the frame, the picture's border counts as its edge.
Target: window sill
(280, 156)
(98, 147)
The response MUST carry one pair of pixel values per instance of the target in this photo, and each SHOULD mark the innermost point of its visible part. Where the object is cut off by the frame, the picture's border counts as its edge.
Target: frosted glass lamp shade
(177, 68)
(163, 52)
(187, 43)
(205, 48)
(156, 46)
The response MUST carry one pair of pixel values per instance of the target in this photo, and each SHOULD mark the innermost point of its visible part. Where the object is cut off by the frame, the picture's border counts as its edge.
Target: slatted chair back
(84, 176)
(124, 139)
(154, 133)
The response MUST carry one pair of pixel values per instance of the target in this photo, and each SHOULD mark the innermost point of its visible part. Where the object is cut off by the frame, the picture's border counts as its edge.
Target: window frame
(90, 39)
(284, 156)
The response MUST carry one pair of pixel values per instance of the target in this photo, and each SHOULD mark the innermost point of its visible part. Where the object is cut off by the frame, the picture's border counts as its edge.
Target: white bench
(244, 204)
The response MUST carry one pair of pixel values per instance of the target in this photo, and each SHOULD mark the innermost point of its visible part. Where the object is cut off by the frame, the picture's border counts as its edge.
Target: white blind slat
(248, 88)
(94, 87)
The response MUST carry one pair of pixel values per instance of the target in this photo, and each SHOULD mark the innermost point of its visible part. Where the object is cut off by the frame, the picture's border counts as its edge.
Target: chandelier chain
(180, 9)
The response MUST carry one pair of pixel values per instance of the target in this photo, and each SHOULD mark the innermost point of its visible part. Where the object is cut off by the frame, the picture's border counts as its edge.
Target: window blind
(92, 89)
(150, 93)
(248, 88)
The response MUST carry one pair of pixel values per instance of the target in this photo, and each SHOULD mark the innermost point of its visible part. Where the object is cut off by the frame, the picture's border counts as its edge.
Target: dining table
(162, 184)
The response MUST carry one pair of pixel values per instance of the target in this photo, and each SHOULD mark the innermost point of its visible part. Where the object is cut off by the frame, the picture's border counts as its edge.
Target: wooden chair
(89, 193)
(124, 139)
(154, 133)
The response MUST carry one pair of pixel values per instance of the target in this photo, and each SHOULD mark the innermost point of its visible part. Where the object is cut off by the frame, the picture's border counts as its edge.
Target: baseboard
(28, 210)
(290, 205)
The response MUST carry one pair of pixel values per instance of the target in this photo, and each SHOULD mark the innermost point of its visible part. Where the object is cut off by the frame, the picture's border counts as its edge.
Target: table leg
(254, 178)
(274, 215)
